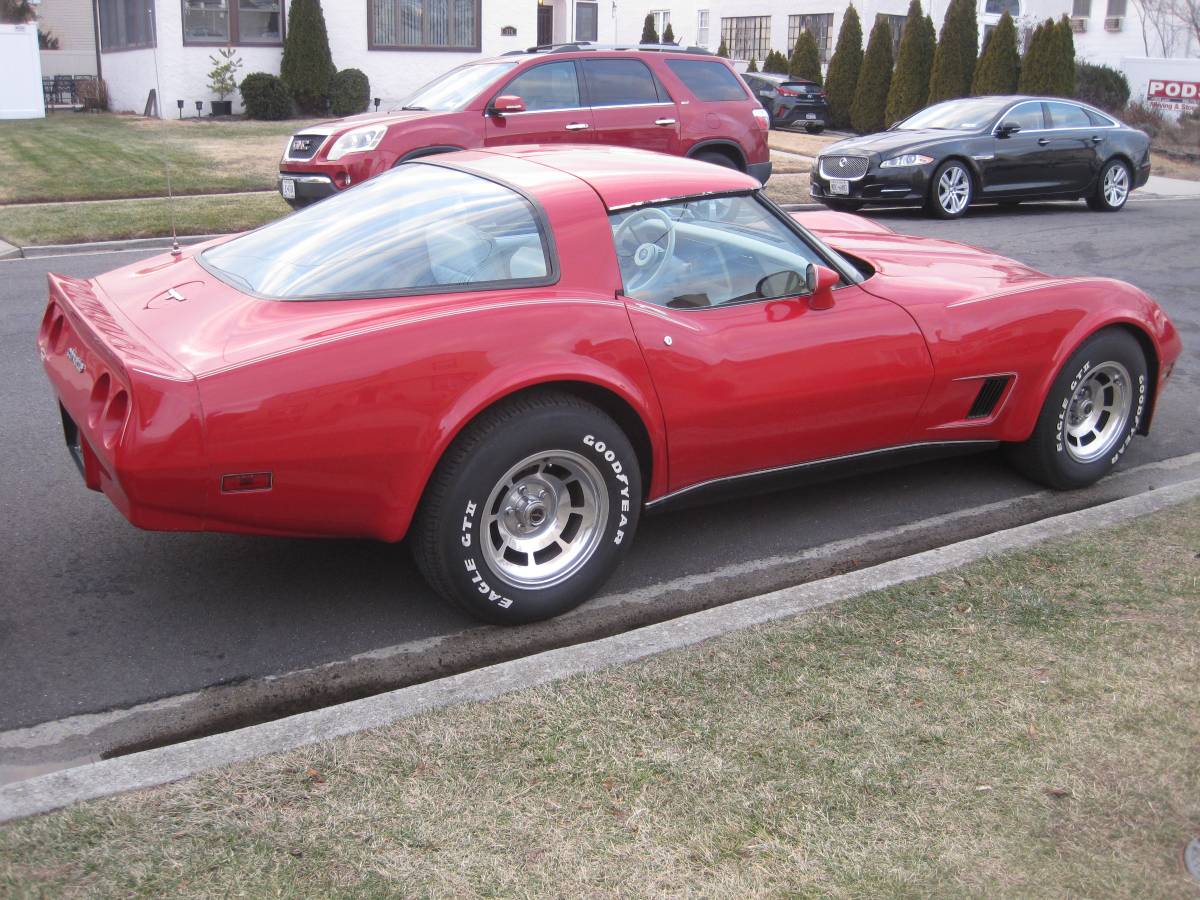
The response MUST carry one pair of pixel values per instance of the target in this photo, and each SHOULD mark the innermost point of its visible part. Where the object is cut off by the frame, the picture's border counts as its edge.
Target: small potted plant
(222, 80)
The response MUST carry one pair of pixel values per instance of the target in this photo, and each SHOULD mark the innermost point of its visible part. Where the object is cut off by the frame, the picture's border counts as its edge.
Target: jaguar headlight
(359, 140)
(905, 161)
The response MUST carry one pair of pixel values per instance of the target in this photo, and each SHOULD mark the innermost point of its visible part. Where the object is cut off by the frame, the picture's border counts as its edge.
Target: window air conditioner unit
(1079, 24)
(1113, 23)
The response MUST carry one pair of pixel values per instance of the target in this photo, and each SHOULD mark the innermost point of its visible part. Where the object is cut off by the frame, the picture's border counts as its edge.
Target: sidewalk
(1159, 187)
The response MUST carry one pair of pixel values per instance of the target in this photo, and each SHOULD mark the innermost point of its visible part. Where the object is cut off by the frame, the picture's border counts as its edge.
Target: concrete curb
(8, 251)
(157, 243)
(156, 767)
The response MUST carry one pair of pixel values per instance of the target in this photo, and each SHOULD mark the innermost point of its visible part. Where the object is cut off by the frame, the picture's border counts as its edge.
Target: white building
(401, 44)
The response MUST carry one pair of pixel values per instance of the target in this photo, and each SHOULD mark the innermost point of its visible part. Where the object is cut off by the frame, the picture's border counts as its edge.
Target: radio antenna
(175, 251)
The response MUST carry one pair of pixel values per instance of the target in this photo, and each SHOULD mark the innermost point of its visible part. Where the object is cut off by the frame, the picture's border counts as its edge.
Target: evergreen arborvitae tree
(842, 77)
(999, 68)
(776, 63)
(870, 95)
(668, 35)
(723, 50)
(649, 33)
(806, 58)
(954, 59)
(910, 82)
(1065, 74)
(753, 67)
(307, 67)
(1038, 66)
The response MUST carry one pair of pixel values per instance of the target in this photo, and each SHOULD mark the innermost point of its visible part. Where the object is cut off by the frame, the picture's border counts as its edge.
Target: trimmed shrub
(999, 68)
(870, 95)
(265, 96)
(842, 77)
(668, 35)
(776, 62)
(910, 82)
(806, 58)
(753, 67)
(723, 50)
(1101, 86)
(649, 32)
(349, 93)
(954, 60)
(1064, 69)
(307, 66)
(1039, 65)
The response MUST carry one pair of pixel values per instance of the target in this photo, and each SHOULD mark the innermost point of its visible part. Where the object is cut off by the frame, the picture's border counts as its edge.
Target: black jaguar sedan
(987, 150)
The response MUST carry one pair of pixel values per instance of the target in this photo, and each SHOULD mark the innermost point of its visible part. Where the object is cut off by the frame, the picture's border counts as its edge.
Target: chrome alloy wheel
(544, 519)
(1097, 412)
(954, 190)
(1116, 185)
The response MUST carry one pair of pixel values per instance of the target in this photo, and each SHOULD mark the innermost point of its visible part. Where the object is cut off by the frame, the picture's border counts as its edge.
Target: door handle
(664, 121)
(578, 126)
(1042, 142)
(1096, 139)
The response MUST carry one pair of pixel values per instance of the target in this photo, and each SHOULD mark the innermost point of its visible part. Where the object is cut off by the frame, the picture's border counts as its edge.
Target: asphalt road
(107, 633)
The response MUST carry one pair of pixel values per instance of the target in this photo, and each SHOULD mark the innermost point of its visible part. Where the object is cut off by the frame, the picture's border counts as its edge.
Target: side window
(1097, 120)
(618, 82)
(1028, 115)
(708, 80)
(1068, 115)
(549, 86)
(698, 254)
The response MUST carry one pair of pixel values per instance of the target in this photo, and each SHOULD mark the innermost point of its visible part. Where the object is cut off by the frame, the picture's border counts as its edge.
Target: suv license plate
(839, 186)
(287, 187)
(810, 115)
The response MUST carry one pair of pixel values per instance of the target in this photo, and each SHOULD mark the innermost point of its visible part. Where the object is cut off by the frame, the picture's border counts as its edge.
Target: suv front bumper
(305, 188)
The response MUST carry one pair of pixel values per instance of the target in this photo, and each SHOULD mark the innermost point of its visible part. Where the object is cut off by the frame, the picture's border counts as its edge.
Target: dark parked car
(790, 102)
(679, 100)
(987, 149)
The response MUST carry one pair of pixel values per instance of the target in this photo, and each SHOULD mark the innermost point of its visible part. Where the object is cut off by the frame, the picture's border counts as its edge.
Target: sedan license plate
(810, 115)
(839, 186)
(287, 187)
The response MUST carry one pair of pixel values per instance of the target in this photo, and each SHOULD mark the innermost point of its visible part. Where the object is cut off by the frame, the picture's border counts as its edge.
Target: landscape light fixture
(199, 107)
(179, 103)
(376, 104)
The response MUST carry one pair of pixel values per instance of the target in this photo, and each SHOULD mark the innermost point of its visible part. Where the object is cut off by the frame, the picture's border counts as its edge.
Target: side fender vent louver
(989, 395)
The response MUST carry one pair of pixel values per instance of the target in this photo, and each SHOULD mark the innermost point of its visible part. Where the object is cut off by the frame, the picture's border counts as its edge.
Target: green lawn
(70, 223)
(79, 156)
(1024, 727)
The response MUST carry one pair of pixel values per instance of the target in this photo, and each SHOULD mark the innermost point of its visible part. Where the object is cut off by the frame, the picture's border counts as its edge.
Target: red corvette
(510, 354)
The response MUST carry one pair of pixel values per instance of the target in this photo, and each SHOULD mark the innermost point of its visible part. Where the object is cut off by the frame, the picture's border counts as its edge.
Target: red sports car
(511, 354)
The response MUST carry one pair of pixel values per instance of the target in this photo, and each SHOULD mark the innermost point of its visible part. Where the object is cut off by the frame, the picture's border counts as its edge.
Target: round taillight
(99, 397)
(114, 418)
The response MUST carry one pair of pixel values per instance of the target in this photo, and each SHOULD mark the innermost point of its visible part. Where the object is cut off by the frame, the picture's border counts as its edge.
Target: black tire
(718, 159)
(1101, 199)
(934, 206)
(466, 503)
(1050, 456)
(843, 205)
(814, 129)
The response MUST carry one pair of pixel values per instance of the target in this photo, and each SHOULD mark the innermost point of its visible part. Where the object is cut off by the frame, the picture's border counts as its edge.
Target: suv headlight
(357, 141)
(908, 159)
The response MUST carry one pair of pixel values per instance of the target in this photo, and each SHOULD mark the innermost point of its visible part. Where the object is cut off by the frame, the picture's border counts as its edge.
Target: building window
(702, 28)
(747, 37)
(821, 26)
(1116, 8)
(423, 25)
(126, 24)
(1000, 7)
(232, 22)
(662, 18)
(587, 21)
(896, 26)
(1081, 8)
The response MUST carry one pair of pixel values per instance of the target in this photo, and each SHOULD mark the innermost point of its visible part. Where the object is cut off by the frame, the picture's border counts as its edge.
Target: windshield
(455, 90)
(956, 115)
(417, 229)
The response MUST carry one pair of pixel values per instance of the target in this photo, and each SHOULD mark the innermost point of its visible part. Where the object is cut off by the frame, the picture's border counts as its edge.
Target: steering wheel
(645, 242)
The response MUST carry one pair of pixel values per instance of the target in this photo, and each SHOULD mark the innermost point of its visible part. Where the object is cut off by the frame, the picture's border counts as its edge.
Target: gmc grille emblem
(76, 359)
(301, 145)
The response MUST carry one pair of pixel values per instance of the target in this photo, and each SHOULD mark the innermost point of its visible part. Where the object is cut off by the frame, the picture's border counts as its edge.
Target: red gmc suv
(684, 101)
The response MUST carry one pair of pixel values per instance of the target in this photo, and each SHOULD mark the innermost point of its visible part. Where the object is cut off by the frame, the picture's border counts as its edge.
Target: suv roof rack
(575, 46)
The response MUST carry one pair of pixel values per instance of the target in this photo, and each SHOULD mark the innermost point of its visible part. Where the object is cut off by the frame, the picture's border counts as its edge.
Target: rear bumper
(761, 171)
(801, 115)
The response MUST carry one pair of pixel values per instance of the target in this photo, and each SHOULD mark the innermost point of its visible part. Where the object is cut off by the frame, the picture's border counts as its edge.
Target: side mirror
(781, 284)
(820, 283)
(1007, 128)
(507, 103)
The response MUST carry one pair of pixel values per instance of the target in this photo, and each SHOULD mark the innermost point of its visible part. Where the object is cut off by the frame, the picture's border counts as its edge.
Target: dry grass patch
(800, 142)
(787, 164)
(1171, 167)
(1023, 727)
(789, 189)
